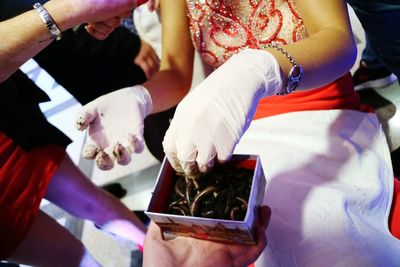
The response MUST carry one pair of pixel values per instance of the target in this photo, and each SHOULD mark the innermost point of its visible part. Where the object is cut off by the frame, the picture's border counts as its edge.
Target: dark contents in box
(220, 194)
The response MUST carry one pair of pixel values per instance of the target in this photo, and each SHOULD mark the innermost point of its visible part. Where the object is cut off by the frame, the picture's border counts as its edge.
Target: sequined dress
(222, 28)
(329, 180)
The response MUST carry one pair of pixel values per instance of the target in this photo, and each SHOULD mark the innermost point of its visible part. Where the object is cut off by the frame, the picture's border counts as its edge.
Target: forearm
(167, 87)
(26, 35)
(23, 34)
(324, 57)
(329, 51)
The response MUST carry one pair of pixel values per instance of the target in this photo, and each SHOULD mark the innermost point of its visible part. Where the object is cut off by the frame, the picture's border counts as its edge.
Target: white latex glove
(115, 125)
(211, 119)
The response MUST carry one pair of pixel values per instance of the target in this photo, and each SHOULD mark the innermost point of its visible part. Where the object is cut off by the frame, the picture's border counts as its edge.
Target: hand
(186, 251)
(100, 10)
(101, 30)
(211, 119)
(147, 59)
(115, 125)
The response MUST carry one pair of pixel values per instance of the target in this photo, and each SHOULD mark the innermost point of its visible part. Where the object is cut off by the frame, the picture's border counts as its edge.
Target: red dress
(24, 178)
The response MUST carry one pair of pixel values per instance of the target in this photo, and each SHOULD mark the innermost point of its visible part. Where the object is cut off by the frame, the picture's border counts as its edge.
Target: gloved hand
(210, 120)
(115, 125)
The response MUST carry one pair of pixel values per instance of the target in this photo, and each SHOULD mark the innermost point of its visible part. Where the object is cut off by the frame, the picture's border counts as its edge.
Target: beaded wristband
(48, 21)
(295, 73)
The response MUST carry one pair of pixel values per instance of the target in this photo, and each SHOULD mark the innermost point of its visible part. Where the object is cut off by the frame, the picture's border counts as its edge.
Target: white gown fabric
(329, 185)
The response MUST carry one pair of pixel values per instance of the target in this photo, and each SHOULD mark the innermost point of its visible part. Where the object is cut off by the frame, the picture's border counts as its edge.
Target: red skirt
(24, 178)
(339, 94)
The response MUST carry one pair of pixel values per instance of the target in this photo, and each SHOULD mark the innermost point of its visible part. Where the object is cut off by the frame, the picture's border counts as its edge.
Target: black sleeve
(21, 118)
(121, 45)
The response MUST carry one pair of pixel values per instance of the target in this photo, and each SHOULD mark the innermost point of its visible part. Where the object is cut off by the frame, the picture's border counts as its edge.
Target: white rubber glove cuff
(143, 96)
(265, 65)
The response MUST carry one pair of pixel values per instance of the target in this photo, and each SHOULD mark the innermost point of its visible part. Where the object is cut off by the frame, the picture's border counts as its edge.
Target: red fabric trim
(24, 178)
(394, 217)
(339, 94)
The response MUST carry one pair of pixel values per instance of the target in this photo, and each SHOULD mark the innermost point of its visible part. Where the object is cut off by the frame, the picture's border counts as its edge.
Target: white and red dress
(326, 160)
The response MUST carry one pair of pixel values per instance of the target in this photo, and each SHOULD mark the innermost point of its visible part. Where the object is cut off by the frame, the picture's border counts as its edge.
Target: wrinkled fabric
(329, 185)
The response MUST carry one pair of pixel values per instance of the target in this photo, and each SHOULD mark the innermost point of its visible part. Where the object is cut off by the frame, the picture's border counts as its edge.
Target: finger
(90, 148)
(154, 65)
(95, 34)
(85, 116)
(150, 69)
(126, 146)
(153, 58)
(173, 160)
(169, 146)
(154, 233)
(90, 151)
(190, 168)
(103, 27)
(113, 22)
(265, 216)
(187, 154)
(146, 68)
(137, 142)
(206, 155)
(104, 161)
(133, 143)
(122, 154)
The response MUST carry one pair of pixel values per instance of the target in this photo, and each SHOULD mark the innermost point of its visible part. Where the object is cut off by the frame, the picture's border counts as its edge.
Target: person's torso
(222, 28)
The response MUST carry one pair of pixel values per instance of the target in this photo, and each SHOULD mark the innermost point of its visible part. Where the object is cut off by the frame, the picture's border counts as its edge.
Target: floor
(138, 177)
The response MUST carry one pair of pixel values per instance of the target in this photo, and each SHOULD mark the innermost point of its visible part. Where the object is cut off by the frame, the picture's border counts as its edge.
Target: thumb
(86, 116)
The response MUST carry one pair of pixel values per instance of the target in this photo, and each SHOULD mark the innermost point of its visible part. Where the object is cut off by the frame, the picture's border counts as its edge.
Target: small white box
(223, 230)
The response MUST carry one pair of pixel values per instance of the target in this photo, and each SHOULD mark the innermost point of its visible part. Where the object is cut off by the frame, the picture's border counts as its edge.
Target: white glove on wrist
(115, 125)
(210, 120)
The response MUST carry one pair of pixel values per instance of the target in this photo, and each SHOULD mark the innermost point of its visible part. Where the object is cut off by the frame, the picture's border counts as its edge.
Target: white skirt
(329, 185)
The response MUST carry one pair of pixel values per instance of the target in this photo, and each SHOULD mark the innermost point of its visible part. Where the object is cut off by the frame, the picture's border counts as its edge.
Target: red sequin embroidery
(221, 28)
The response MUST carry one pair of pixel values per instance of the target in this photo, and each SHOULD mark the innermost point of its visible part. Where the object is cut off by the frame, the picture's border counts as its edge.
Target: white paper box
(230, 231)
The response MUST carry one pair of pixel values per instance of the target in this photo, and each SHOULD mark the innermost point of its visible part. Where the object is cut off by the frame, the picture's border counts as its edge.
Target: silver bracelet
(295, 73)
(48, 21)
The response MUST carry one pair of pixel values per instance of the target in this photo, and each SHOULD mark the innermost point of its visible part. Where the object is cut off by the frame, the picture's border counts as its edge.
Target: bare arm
(326, 55)
(124, 110)
(168, 86)
(24, 35)
(330, 50)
